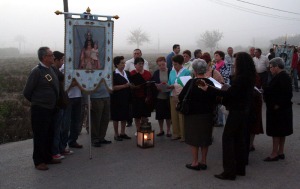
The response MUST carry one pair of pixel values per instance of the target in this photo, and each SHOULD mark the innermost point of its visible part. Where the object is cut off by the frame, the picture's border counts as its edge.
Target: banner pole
(89, 117)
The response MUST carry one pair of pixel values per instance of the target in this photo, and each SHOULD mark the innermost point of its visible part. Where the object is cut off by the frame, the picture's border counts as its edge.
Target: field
(14, 108)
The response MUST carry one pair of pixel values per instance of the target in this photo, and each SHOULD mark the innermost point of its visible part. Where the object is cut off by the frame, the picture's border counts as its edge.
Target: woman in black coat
(278, 95)
(237, 100)
(120, 98)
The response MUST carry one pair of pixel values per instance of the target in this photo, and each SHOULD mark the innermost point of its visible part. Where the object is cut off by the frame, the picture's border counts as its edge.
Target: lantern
(145, 137)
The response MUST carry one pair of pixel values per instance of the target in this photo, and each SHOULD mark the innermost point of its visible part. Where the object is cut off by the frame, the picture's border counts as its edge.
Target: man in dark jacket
(42, 90)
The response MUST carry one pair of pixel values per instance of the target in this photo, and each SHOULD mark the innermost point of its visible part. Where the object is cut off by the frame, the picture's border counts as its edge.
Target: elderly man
(129, 64)
(42, 90)
(261, 65)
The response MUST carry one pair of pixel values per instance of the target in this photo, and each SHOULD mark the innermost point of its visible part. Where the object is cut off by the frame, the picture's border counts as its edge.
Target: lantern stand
(145, 137)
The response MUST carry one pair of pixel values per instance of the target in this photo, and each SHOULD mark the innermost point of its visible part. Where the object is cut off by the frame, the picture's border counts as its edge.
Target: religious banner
(88, 50)
(286, 53)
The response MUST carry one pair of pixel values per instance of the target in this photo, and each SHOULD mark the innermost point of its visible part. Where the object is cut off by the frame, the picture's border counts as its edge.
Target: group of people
(246, 80)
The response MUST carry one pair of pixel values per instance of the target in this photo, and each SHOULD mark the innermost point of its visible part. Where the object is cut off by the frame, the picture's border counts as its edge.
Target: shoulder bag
(184, 105)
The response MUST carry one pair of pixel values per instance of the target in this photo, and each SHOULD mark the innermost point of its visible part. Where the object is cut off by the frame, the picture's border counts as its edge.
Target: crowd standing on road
(247, 80)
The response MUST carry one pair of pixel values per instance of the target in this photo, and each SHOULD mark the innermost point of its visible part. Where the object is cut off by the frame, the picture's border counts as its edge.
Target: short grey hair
(42, 52)
(199, 66)
(277, 62)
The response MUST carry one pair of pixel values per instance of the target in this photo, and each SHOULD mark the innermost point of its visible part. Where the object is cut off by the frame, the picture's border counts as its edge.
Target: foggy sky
(165, 21)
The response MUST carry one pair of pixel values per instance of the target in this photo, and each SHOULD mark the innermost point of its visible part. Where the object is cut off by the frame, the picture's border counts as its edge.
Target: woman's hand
(201, 84)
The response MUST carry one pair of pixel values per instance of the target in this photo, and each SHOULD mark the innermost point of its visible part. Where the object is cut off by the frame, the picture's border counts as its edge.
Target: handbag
(184, 105)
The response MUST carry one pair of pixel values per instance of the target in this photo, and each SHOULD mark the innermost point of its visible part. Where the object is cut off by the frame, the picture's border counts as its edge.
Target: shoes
(135, 134)
(75, 145)
(105, 141)
(281, 156)
(42, 167)
(189, 166)
(55, 161)
(118, 138)
(168, 135)
(202, 166)
(182, 140)
(271, 159)
(161, 133)
(176, 138)
(251, 149)
(67, 152)
(124, 136)
(58, 156)
(96, 144)
(224, 177)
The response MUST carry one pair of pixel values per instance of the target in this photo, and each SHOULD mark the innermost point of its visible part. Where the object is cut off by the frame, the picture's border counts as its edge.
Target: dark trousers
(42, 122)
(72, 119)
(100, 118)
(263, 78)
(234, 144)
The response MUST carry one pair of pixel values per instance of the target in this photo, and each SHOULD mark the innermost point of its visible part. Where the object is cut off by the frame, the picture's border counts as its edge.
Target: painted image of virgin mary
(89, 56)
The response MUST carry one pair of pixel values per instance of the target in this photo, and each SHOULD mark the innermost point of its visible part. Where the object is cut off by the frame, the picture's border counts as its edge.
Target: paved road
(123, 165)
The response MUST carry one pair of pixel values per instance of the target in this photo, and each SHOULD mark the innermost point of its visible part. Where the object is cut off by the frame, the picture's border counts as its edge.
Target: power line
(253, 11)
(268, 7)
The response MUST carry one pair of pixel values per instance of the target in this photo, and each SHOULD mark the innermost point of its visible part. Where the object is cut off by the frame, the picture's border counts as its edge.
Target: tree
(21, 40)
(210, 39)
(138, 37)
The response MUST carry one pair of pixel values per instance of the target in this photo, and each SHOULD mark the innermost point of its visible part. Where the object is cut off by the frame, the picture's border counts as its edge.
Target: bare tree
(21, 40)
(138, 37)
(210, 39)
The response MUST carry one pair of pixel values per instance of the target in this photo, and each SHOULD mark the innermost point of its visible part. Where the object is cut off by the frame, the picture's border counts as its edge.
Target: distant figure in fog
(176, 51)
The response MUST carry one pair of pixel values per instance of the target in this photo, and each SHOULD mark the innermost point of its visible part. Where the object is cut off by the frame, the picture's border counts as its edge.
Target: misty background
(27, 25)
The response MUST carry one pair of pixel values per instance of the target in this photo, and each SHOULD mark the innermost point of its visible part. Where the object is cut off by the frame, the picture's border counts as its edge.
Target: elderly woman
(176, 117)
(278, 95)
(199, 122)
(163, 111)
(237, 99)
(120, 98)
(140, 112)
(211, 72)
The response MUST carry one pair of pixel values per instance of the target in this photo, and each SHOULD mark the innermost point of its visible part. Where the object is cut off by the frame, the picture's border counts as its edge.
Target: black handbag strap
(189, 89)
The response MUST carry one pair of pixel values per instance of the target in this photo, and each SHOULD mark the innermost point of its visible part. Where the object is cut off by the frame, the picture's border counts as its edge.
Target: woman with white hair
(278, 95)
(199, 122)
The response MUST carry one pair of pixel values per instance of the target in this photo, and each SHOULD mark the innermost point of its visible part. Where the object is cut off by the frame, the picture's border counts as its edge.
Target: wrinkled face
(162, 65)
(121, 65)
(49, 58)
(177, 50)
(230, 51)
(137, 54)
(139, 66)
(186, 58)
